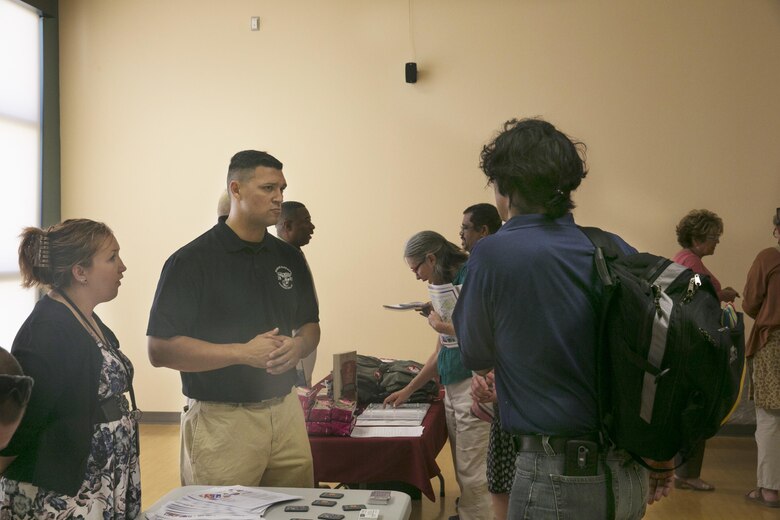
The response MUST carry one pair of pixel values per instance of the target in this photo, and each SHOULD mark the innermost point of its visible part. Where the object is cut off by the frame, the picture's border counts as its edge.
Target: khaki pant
(252, 444)
(468, 441)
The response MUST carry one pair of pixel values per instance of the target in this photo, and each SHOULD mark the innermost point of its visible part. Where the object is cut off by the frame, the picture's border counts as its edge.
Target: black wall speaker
(411, 72)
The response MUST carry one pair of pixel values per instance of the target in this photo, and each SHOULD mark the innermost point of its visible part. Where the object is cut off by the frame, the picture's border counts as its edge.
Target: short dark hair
(697, 224)
(484, 214)
(289, 207)
(244, 163)
(534, 161)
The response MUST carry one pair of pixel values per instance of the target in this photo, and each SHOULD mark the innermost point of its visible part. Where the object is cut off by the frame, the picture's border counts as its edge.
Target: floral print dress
(112, 486)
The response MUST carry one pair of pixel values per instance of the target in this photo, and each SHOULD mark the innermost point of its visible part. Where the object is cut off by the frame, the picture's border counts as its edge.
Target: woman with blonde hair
(75, 454)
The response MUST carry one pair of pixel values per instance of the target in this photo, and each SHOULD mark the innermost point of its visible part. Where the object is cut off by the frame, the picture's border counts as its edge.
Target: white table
(399, 508)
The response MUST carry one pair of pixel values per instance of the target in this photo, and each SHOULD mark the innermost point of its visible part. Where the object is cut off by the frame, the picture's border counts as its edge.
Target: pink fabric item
(318, 428)
(320, 411)
(343, 411)
(690, 260)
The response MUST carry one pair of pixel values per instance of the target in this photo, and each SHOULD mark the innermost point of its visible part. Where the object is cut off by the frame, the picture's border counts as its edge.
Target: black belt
(533, 443)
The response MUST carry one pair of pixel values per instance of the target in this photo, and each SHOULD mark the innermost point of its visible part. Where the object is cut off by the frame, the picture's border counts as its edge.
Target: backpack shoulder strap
(602, 239)
(606, 248)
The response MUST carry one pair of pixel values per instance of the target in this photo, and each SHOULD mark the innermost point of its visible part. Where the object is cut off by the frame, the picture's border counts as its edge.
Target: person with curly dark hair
(529, 310)
(75, 453)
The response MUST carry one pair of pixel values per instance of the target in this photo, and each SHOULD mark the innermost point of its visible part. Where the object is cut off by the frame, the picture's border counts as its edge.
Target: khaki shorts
(250, 444)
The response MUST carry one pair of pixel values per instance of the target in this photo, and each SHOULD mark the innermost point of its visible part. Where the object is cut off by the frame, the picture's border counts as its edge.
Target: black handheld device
(582, 458)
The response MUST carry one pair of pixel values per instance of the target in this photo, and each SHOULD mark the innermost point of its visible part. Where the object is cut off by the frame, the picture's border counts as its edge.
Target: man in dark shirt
(529, 309)
(234, 311)
(479, 221)
(296, 228)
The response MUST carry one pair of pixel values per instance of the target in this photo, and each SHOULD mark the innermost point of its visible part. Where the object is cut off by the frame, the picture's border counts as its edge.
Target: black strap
(108, 345)
(605, 248)
(602, 239)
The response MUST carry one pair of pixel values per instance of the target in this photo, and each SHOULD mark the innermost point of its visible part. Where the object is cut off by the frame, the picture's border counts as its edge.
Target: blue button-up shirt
(529, 309)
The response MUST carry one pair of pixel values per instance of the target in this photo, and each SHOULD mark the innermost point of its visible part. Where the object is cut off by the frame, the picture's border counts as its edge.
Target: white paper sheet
(382, 431)
(387, 422)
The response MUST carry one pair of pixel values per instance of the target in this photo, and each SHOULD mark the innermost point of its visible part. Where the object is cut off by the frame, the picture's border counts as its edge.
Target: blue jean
(542, 491)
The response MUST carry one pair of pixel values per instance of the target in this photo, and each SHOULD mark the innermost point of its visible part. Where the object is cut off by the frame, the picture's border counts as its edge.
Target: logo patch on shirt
(284, 276)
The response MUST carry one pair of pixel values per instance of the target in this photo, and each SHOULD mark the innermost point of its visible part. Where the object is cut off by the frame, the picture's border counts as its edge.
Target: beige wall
(677, 102)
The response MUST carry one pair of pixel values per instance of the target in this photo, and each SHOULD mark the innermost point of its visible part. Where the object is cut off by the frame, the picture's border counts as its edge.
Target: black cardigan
(53, 441)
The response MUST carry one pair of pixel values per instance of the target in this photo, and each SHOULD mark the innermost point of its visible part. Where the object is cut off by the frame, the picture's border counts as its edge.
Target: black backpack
(398, 374)
(670, 371)
(369, 377)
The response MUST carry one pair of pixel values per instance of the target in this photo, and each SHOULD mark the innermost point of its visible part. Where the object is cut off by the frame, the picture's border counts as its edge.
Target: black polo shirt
(221, 289)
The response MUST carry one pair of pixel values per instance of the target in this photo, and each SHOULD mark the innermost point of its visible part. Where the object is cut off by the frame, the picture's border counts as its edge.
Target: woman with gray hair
(435, 260)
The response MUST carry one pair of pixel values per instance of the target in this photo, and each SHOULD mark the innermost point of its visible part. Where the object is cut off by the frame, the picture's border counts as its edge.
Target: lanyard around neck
(108, 343)
(83, 318)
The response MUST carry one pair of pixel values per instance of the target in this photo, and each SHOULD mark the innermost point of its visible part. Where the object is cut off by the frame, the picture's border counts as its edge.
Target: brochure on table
(223, 502)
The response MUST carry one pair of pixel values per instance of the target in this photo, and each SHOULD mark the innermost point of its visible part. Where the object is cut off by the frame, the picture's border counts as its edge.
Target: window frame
(50, 207)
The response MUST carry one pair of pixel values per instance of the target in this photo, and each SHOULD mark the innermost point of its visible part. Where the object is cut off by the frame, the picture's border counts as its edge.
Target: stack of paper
(400, 421)
(226, 502)
(386, 431)
(407, 414)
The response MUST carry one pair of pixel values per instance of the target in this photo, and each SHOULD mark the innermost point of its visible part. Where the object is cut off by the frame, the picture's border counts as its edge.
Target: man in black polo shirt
(234, 311)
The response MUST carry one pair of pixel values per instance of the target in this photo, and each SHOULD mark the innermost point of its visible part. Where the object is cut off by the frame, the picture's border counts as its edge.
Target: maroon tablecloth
(405, 459)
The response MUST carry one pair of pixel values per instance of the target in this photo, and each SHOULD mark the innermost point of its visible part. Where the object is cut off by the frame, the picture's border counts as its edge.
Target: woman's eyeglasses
(17, 387)
(415, 268)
